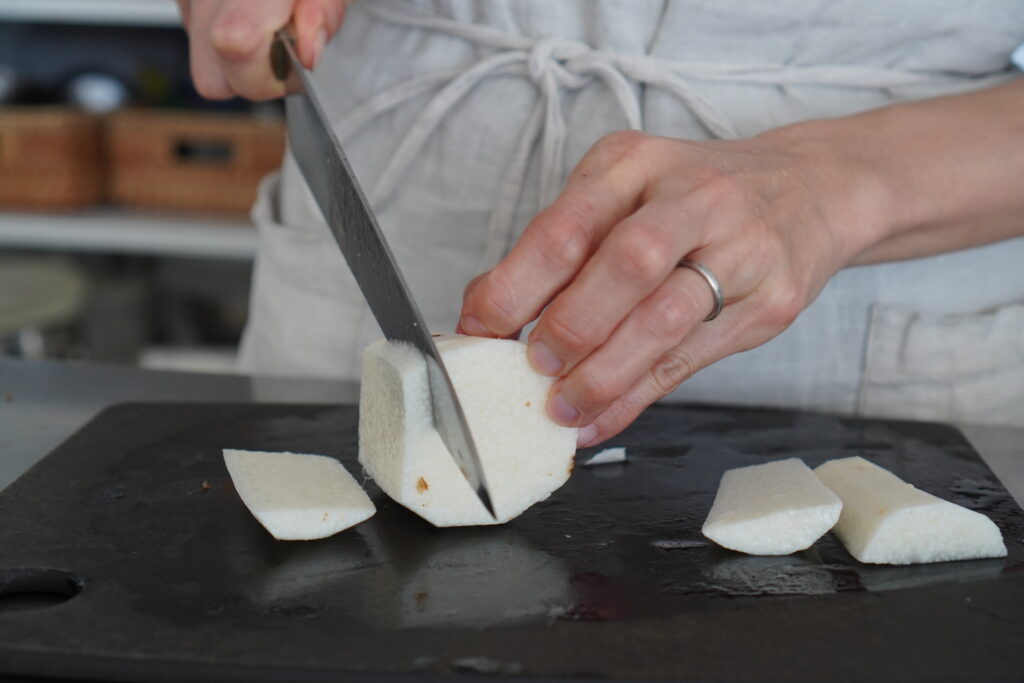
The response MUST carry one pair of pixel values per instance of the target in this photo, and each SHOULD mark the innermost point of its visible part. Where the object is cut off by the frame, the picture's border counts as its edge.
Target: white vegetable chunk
(776, 508)
(607, 457)
(298, 496)
(525, 455)
(887, 521)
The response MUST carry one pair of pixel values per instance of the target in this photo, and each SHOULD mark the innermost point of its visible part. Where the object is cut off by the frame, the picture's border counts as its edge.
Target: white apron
(463, 118)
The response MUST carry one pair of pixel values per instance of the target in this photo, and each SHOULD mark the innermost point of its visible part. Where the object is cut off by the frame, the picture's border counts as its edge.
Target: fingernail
(318, 45)
(471, 325)
(586, 436)
(545, 362)
(561, 411)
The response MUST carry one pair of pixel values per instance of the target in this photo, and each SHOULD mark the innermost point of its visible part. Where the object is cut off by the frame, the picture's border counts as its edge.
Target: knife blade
(355, 228)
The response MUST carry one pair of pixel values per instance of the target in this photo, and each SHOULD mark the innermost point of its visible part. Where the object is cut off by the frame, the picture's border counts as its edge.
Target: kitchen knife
(350, 219)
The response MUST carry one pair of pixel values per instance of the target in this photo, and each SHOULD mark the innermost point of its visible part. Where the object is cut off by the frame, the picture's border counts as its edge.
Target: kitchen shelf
(122, 231)
(109, 12)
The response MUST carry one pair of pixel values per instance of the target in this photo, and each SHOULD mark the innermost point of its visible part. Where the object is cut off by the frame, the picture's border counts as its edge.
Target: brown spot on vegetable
(324, 518)
(572, 465)
(527, 404)
(421, 485)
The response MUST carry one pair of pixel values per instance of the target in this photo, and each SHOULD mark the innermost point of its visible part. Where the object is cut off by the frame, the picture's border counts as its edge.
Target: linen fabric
(463, 118)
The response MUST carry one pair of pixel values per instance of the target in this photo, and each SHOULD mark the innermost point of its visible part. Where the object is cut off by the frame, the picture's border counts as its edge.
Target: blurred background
(124, 196)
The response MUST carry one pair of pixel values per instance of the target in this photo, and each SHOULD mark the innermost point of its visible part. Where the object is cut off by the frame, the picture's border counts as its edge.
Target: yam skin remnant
(298, 496)
(776, 508)
(525, 456)
(887, 521)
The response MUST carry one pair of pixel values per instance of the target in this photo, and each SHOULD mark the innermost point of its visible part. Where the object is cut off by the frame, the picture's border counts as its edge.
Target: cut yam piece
(298, 496)
(525, 456)
(776, 508)
(608, 456)
(887, 521)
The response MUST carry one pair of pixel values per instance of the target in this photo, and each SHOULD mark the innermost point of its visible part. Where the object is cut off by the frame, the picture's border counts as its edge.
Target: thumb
(314, 23)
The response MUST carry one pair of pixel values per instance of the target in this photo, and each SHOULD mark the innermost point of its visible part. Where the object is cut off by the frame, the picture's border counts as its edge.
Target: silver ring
(709, 277)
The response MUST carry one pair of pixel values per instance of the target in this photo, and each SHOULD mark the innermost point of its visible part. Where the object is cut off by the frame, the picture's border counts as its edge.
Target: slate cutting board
(126, 555)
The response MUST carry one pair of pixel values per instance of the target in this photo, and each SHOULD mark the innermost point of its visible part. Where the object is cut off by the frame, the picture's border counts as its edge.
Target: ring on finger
(709, 277)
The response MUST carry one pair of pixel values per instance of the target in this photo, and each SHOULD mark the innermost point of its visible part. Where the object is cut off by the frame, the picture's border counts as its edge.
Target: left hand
(773, 217)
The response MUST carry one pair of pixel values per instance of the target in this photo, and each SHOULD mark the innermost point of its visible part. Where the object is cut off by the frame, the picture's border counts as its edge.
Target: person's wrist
(844, 166)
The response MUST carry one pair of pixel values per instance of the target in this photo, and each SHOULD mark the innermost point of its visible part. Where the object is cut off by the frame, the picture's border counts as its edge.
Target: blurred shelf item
(119, 231)
(50, 158)
(109, 12)
(196, 161)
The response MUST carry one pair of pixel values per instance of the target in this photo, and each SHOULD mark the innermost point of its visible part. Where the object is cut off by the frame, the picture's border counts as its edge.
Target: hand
(773, 217)
(230, 41)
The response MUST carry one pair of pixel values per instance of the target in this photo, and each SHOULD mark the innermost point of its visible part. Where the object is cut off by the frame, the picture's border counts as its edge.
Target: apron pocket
(966, 368)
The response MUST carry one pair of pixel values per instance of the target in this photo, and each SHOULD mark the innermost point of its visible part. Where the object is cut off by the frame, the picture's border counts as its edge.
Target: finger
(633, 260)
(241, 34)
(650, 331)
(314, 22)
(474, 327)
(700, 349)
(741, 326)
(207, 75)
(467, 323)
(183, 10)
(604, 188)
(673, 311)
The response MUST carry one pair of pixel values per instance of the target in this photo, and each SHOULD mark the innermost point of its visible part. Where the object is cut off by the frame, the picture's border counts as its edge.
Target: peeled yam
(525, 455)
(298, 496)
(887, 521)
(776, 508)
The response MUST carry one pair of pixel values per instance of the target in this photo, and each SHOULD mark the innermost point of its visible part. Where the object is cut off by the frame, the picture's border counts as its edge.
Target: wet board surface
(127, 555)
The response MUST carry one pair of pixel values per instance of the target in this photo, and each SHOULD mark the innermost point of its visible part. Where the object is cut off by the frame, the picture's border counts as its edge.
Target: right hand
(230, 41)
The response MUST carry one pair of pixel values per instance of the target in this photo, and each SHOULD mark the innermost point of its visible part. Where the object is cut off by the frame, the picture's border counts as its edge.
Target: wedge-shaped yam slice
(776, 508)
(298, 496)
(525, 455)
(887, 521)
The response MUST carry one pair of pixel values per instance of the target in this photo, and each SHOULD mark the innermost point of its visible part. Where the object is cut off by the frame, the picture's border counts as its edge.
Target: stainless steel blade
(348, 215)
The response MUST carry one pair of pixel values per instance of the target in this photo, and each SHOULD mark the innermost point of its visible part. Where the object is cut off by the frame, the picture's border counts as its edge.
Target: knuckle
(471, 285)
(621, 141)
(670, 314)
(640, 152)
(566, 242)
(496, 304)
(784, 304)
(723, 187)
(234, 38)
(763, 243)
(594, 391)
(565, 334)
(610, 152)
(672, 370)
(645, 255)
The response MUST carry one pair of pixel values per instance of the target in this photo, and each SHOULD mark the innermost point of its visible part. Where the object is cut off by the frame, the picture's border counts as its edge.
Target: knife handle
(280, 61)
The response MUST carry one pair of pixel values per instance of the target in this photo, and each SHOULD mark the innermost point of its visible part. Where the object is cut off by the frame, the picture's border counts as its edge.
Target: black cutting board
(155, 570)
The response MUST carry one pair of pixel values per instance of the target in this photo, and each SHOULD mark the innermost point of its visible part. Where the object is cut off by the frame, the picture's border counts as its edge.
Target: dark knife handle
(280, 62)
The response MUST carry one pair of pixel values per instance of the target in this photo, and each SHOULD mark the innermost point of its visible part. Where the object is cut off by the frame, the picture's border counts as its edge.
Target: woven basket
(50, 158)
(190, 160)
